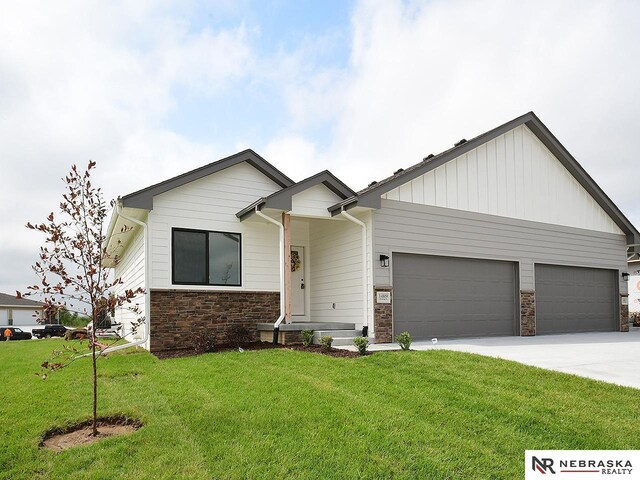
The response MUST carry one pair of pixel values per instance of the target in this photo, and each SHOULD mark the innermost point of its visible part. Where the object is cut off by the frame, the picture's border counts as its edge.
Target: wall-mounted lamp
(625, 276)
(384, 260)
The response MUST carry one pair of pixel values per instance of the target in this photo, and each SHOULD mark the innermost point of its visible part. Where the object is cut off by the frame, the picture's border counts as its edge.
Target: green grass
(280, 413)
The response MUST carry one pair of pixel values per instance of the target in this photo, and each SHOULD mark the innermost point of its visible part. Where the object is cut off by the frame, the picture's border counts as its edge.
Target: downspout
(276, 325)
(147, 299)
(365, 276)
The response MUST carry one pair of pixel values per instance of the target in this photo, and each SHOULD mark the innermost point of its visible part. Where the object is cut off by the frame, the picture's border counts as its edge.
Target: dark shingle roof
(7, 300)
(282, 198)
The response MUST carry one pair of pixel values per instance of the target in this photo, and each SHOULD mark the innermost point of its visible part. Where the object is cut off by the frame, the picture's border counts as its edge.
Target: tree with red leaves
(71, 271)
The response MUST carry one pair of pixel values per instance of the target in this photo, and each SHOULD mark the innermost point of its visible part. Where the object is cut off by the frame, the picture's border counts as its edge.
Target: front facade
(502, 235)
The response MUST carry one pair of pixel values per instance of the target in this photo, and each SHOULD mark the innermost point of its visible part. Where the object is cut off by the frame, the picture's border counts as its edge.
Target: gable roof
(144, 198)
(7, 300)
(370, 196)
(282, 199)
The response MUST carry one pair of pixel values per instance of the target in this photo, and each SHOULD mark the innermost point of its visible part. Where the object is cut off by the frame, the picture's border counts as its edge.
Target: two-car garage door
(450, 297)
(453, 297)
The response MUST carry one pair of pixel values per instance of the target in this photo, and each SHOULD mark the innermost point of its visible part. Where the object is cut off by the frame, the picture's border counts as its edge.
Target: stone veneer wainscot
(178, 315)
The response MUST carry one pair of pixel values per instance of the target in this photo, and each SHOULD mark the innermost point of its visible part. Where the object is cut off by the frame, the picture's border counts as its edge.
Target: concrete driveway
(610, 356)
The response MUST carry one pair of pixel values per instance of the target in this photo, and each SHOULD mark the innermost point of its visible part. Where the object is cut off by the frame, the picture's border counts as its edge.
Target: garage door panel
(453, 297)
(575, 299)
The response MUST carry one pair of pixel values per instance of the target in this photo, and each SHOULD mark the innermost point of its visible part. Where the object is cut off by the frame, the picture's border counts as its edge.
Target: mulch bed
(333, 352)
(62, 438)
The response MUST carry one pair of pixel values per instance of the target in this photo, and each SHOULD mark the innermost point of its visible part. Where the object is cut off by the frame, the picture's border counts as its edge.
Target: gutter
(276, 325)
(365, 276)
(147, 298)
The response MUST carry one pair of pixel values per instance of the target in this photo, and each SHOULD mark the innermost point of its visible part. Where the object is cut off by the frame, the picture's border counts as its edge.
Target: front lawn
(280, 413)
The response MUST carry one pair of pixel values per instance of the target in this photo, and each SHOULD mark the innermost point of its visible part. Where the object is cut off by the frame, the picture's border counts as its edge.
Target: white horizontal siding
(211, 203)
(130, 269)
(513, 175)
(411, 228)
(314, 201)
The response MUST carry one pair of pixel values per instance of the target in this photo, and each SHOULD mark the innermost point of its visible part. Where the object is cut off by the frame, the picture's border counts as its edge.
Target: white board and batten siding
(211, 203)
(513, 175)
(131, 270)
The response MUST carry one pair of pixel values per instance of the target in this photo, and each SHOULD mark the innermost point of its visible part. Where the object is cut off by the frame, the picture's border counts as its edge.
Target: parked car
(49, 331)
(16, 334)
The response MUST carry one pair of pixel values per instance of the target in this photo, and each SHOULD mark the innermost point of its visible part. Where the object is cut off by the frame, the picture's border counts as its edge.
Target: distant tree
(71, 271)
(72, 319)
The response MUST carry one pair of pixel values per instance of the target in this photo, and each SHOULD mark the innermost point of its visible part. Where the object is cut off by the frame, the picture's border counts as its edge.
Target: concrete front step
(337, 333)
(347, 341)
(341, 338)
(299, 326)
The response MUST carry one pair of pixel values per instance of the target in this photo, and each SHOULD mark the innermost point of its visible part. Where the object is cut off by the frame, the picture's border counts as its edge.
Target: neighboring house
(504, 234)
(20, 311)
(634, 284)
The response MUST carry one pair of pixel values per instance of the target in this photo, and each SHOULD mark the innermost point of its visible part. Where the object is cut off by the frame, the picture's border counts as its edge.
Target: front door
(297, 281)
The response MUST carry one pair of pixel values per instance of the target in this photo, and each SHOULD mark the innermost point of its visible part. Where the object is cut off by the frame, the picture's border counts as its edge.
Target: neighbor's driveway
(611, 356)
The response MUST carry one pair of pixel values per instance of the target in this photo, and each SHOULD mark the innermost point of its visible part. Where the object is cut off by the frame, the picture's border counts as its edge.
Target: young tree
(70, 266)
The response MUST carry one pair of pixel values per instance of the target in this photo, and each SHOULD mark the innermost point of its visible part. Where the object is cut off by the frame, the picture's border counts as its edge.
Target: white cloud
(424, 75)
(295, 156)
(84, 80)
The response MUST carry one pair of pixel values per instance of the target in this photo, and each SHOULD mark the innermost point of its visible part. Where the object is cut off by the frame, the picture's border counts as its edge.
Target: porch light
(384, 260)
(625, 276)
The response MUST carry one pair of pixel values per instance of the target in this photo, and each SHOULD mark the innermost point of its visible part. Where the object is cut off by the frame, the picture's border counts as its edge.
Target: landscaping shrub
(238, 335)
(204, 341)
(361, 343)
(404, 340)
(634, 319)
(307, 338)
(326, 342)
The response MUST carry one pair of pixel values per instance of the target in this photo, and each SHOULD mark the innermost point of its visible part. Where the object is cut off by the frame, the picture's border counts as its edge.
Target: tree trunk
(95, 385)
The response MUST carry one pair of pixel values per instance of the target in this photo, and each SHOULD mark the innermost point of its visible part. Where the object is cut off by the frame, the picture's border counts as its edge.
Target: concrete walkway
(610, 356)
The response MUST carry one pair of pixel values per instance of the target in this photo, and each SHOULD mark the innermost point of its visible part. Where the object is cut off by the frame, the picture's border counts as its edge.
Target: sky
(151, 89)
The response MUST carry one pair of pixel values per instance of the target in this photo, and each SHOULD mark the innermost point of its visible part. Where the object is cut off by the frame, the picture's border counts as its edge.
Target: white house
(19, 311)
(504, 234)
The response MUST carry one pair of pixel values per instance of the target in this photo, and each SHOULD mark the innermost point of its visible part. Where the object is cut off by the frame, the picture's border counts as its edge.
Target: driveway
(609, 356)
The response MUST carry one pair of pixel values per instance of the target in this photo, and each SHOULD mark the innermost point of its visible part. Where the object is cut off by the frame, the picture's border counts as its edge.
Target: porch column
(286, 222)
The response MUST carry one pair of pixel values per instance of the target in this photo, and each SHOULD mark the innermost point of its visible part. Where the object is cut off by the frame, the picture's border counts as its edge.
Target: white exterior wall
(634, 287)
(336, 271)
(313, 202)
(131, 270)
(24, 316)
(21, 316)
(211, 203)
(513, 175)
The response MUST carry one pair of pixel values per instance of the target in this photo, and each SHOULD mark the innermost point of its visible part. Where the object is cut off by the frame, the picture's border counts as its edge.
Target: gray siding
(411, 228)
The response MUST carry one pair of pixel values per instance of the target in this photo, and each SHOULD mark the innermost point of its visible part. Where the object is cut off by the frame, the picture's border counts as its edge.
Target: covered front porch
(325, 276)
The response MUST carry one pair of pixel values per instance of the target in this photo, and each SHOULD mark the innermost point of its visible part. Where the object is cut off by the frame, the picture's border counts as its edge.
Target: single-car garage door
(453, 297)
(575, 299)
